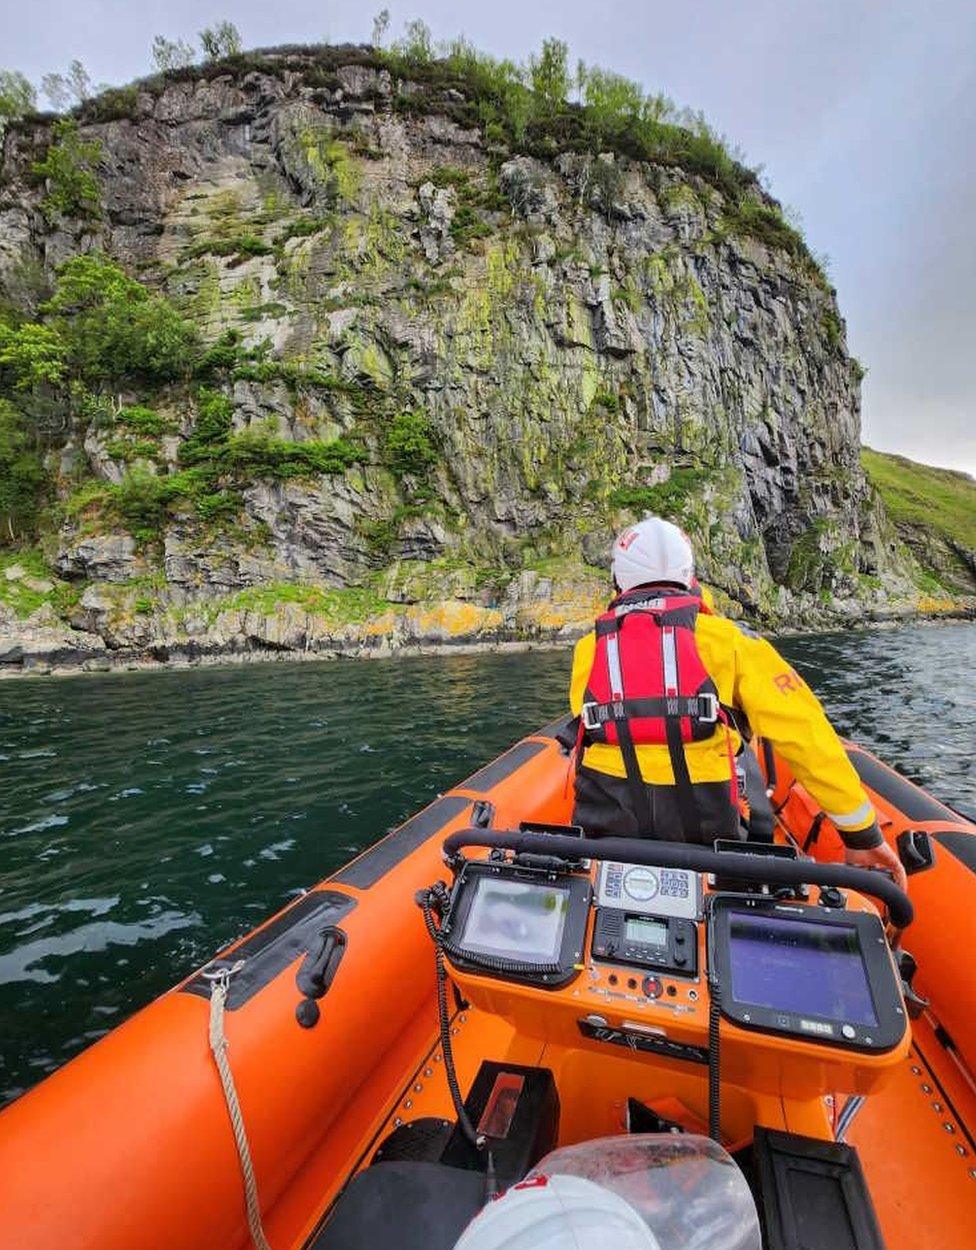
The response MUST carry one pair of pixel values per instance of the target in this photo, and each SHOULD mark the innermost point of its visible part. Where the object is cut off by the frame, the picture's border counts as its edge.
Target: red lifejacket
(647, 671)
(648, 685)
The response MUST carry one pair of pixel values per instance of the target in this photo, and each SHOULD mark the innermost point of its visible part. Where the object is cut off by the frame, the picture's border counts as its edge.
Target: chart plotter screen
(516, 920)
(799, 966)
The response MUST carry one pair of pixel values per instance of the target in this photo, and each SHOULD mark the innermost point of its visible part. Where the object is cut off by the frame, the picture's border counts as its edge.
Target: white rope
(218, 1048)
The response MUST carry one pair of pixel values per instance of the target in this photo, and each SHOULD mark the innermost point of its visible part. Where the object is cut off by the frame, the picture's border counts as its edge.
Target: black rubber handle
(319, 966)
(654, 854)
(915, 851)
(769, 760)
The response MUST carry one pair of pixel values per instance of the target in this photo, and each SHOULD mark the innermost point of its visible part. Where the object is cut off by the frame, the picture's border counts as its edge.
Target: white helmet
(558, 1213)
(653, 550)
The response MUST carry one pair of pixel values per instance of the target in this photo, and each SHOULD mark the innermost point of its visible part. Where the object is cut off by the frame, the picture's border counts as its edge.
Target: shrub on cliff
(114, 327)
(142, 499)
(409, 445)
(23, 479)
(67, 170)
(666, 499)
(262, 454)
(31, 355)
(212, 430)
(257, 452)
(99, 327)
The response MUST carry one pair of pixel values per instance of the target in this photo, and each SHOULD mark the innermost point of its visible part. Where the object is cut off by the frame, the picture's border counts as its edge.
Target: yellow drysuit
(752, 676)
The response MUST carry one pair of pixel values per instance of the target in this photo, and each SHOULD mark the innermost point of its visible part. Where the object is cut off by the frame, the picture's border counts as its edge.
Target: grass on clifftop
(526, 107)
(920, 495)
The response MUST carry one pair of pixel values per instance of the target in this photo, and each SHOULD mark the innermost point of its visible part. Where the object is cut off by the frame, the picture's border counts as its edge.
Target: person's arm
(783, 708)
(582, 664)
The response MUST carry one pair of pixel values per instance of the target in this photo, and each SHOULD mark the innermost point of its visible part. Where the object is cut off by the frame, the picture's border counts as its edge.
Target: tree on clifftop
(17, 97)
(171, 53)
(417, 43)
(221, 40)
(66, 90)
(381, 23)
(549, 74)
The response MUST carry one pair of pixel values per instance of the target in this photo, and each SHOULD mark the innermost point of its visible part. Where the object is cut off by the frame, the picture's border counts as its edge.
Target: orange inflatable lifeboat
(362, 1070)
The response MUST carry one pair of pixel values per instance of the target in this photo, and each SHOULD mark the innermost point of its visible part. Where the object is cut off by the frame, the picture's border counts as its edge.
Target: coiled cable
(714, 1072)
(426, 900)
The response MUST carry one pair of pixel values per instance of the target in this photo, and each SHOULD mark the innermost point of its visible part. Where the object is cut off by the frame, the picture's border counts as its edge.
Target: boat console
(612, 953)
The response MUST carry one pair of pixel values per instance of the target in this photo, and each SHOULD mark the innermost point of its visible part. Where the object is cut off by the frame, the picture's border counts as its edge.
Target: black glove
(864, 840)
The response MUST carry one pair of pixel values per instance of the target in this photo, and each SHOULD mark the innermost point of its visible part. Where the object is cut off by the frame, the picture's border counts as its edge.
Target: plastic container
(687, 1189)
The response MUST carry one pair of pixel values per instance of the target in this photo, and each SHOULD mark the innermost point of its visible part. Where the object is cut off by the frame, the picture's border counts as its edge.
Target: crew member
(661, 686)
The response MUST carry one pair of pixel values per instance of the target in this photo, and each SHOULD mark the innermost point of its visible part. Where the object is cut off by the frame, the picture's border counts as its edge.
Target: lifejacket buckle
(710, 701)
(590, 716)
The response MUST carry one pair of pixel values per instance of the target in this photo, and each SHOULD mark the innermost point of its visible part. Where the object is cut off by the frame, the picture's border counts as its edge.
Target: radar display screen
(516, 920)
(800, 967)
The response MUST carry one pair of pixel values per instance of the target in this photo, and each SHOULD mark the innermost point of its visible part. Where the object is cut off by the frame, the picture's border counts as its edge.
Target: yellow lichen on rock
(929, 605)
(379, 626)
(452, 619)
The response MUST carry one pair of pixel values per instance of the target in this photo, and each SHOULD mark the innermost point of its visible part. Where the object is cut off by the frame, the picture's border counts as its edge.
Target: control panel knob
(652, 987)
(679, 939)
(680, 960)
(830, 896)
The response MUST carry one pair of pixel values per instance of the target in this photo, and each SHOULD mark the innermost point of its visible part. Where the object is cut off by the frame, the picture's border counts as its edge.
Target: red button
(653, 987)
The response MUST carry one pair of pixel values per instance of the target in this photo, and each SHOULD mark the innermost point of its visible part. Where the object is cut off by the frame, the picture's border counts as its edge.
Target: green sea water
(146, 819)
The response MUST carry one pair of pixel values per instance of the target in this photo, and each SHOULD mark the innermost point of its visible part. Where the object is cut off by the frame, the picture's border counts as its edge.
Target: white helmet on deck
(652, 551)
(558, 1213)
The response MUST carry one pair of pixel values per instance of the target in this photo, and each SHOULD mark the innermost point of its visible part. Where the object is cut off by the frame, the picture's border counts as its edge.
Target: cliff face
(489, 362)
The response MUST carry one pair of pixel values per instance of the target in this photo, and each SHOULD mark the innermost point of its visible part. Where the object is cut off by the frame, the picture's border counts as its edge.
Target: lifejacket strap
(684, 790)
(703, 708)
(640, 794)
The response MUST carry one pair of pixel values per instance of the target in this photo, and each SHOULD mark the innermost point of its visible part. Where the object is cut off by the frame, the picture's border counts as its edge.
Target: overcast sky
(862, 113)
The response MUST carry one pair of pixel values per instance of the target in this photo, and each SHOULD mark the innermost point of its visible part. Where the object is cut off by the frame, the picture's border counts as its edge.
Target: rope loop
(220, 980)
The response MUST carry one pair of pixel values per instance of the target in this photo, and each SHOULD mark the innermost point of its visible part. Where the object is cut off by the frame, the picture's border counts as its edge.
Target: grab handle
(660, 854)
(316, 974)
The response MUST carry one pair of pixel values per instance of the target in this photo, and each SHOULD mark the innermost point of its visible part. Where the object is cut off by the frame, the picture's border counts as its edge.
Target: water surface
(146, 819)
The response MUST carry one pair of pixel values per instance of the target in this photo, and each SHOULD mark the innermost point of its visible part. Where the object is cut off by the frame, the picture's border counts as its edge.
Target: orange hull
(917, 1138)
(130, 1144)
(944, 933)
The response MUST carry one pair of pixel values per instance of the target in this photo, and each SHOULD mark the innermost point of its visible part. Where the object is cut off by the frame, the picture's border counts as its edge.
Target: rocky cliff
(419, 371)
